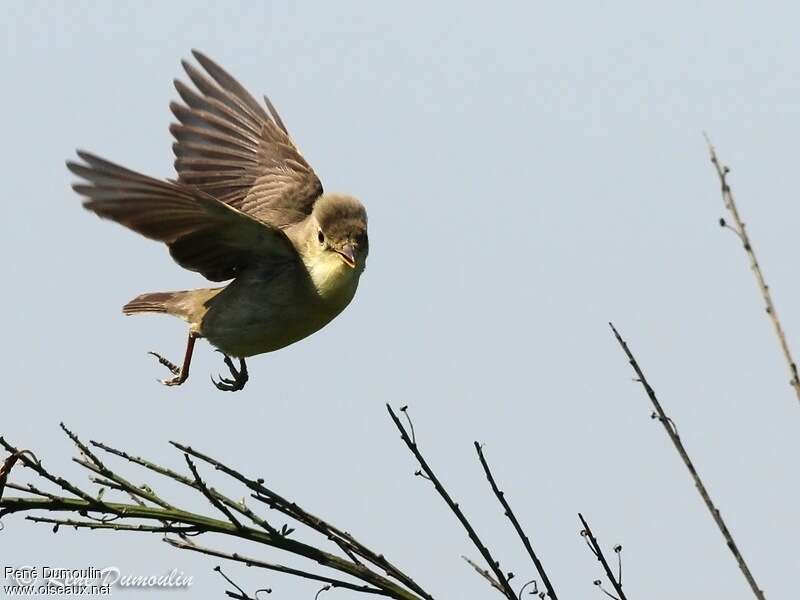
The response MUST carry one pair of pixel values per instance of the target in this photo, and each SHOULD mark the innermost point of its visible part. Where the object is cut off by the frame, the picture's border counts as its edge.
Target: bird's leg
(181, 373)
(240, 376)
(175, 369)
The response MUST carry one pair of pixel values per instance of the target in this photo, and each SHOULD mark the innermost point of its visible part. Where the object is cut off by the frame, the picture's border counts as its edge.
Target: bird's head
(341, 223)
(336, 245)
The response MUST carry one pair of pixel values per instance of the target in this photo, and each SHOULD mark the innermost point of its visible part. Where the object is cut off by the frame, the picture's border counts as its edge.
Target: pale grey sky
(531, 171)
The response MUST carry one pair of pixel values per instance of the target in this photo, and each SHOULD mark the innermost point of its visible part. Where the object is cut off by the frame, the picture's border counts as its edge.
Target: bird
(246, 208)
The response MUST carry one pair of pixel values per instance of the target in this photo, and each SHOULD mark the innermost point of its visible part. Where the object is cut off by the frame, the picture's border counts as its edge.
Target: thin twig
(672, 432)
(343, 539)
(494, 565)
(404, 410)
(185, 523)
(535, 591)
(598, 552)
(517, 527)
(324, 588)
(741, 231)
(205, 524)
(240, 594)
(93, 463)
(485, 574)
(254, 562)
(8, 464)
(237, 506)
(76, 524)
(32, 489)
(207, 493)
(36, 465)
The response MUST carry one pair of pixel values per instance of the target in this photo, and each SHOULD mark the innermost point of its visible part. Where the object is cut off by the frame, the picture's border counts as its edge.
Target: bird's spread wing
(203, 234)
(229, 146)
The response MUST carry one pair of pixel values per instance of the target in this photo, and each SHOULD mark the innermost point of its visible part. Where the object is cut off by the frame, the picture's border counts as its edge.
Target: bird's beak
(348, 255)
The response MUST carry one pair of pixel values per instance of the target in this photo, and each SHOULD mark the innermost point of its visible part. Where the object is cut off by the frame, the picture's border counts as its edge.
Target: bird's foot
(173, 368)
(238, 380)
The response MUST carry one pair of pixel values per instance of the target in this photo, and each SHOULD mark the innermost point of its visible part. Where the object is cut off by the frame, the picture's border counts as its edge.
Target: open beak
(348, 255)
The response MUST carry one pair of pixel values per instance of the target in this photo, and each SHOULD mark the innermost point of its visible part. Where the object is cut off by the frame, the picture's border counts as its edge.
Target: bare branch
(739, 229)
(160, 519)
(93, 463)
(192, 483)
(672, 432)
(494, 565)
(517, 527)
(36, 465)
(344, 540)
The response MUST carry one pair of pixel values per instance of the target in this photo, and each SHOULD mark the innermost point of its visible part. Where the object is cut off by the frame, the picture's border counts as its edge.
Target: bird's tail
(154, 302)
(189, 305)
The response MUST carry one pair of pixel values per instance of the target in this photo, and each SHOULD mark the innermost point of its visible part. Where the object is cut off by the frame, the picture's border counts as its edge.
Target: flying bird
(245, 207)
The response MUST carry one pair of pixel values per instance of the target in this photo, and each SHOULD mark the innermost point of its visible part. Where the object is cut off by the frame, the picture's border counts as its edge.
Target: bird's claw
(240, 376)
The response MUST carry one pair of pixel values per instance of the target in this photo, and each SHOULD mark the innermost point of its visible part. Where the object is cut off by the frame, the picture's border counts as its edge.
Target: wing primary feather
(211, 89)
(187, 148)
(273, 111)
(227, 82)
(204, 119)
(184, 133)
(215, 106)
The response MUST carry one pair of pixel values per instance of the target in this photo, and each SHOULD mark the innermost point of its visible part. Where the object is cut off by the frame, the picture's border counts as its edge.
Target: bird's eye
(321, 237)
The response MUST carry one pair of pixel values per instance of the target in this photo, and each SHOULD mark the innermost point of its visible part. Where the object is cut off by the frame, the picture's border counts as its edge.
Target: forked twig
(598, 552)
(494, 565)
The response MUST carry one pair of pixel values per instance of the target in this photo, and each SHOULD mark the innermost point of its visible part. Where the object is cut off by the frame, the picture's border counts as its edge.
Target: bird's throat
(334, 280)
